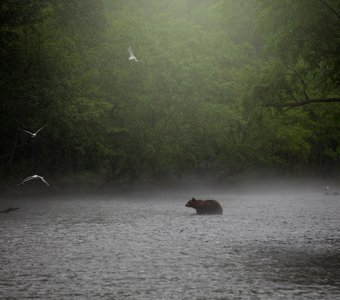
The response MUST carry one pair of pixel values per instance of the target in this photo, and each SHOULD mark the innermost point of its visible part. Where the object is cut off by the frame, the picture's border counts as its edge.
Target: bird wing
(130, 51)
(40, 128)
(27, 179)
(31, 133)
(43, 180)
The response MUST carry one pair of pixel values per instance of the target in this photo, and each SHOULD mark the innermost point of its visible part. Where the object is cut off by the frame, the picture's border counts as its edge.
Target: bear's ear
(193, 199)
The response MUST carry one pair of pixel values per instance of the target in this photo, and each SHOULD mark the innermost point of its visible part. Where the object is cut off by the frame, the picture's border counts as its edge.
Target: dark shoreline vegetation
(225, 89)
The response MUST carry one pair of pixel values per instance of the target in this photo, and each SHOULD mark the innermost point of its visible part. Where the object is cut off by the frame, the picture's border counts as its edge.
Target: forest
(218, 88)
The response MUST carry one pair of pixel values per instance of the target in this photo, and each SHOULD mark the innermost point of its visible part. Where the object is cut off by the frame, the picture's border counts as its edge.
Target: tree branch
(305, 102)
(330, 8)
(302, 82)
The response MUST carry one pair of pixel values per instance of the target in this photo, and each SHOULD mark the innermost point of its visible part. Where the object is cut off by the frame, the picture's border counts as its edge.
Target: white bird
(35, 177)
(132, 56)
(33, 134)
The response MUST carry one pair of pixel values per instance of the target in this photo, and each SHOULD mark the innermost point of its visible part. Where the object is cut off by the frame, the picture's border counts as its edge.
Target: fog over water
(116, 113)
(270, 243)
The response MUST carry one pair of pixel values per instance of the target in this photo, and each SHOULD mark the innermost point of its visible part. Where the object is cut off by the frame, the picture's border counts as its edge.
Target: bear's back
(209, 207)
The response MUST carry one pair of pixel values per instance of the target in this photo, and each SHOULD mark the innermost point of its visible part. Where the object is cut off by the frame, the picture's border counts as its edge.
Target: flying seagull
(33, 134)
(132, 56)
(35, 177)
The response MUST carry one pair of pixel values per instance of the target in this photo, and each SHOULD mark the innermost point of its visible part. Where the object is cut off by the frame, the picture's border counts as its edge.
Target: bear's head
(191, 203)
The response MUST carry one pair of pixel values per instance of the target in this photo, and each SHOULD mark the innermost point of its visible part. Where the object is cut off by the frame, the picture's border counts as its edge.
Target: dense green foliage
(217, 91)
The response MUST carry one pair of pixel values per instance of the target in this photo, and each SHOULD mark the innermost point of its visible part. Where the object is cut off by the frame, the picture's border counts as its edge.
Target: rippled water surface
(276, 246)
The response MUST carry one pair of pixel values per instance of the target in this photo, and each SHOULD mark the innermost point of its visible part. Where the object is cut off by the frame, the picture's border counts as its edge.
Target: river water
(272, 246)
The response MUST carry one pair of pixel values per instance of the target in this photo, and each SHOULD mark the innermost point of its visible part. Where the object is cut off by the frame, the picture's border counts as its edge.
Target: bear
(205, 207)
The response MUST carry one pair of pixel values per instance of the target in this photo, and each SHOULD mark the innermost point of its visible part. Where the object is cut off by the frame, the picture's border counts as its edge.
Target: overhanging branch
(305, 102)
(330, 8)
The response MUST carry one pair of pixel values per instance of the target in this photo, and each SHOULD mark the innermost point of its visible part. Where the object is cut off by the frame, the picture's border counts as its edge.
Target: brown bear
(205, 207)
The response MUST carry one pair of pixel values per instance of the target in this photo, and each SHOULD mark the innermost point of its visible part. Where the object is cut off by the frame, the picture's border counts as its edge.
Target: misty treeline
(224, 87)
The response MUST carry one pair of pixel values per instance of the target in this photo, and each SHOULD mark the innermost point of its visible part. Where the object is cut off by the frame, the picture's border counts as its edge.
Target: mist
(121, 120)
(213, 89)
